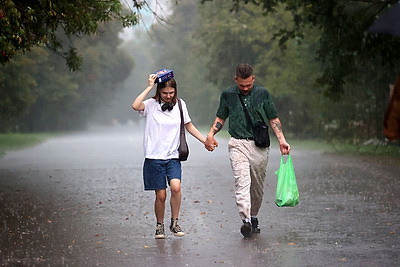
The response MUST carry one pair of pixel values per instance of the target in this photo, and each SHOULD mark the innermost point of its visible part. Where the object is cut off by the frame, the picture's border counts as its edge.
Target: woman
(161, 142)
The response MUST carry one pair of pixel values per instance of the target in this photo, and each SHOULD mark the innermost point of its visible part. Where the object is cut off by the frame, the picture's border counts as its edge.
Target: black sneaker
(246, 229)
(175, 228)
(254, 226)
(160, 233)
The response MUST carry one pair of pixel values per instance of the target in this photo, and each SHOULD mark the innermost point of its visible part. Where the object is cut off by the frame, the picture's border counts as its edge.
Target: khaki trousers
(249, 166)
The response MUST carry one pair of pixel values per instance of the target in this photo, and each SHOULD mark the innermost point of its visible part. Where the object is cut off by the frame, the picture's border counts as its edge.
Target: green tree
(28, 23)
(345, 47)
(203, 44)
(204, 56)
(42, 95)
(228, 39)
(247, 36)
(35, 87)
(55, 91)
(17, 87)
(333, 56)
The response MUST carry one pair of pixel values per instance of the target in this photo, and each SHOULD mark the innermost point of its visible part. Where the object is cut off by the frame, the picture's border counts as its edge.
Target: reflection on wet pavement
(79, 201)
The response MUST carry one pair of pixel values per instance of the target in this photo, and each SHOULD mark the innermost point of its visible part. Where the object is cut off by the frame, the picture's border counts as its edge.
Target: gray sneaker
(175, 228)
(160, 233)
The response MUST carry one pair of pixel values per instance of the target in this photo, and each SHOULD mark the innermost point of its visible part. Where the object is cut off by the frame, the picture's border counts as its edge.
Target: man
(249, 162)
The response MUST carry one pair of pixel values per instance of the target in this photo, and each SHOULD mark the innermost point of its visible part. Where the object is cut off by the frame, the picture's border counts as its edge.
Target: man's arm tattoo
(218, 127)
(278, 126)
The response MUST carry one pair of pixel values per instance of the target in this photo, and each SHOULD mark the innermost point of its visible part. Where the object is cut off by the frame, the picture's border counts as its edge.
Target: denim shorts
(157, 172)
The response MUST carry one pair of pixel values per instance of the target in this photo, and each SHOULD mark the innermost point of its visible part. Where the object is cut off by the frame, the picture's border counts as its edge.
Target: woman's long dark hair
(169, 83)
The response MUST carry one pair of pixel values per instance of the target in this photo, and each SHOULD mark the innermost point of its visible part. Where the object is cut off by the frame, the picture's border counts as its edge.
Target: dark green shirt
(258, 103)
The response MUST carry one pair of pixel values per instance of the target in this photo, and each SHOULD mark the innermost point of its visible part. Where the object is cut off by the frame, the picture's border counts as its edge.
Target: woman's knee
(175, 185)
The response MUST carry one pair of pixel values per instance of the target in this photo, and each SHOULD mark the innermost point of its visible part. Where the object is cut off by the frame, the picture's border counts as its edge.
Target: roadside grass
(343, 147)
(384, 153)
(18, 141)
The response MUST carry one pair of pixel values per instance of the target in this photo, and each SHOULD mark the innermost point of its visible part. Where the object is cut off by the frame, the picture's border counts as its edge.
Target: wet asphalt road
(78, 200)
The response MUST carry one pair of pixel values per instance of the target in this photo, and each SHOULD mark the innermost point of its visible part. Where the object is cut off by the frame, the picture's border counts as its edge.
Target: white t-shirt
(161, 133)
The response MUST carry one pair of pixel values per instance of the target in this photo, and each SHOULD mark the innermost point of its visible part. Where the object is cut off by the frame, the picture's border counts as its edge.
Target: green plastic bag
(287, 193)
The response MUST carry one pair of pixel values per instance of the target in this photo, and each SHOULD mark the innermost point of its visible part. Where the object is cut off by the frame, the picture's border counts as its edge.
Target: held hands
(210, 144)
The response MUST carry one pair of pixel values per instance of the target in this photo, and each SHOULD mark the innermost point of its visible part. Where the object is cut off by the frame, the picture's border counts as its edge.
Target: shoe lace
(176, 227)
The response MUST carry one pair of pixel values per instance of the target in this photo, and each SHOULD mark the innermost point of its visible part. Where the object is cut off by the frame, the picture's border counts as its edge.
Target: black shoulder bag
(260, 129)
(183, 146)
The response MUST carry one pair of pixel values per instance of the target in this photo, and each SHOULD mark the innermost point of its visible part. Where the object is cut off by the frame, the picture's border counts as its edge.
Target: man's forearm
(216, 126)
(277, 128)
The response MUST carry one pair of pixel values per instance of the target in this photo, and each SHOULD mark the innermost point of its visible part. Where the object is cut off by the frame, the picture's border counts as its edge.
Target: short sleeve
(223, 111)
(186, 117)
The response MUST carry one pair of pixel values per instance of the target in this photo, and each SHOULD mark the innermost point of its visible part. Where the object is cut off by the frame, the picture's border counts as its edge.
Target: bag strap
(182, 132)
(246, 112)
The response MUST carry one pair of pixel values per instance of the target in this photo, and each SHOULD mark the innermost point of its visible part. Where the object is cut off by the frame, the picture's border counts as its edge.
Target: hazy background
(202, 43)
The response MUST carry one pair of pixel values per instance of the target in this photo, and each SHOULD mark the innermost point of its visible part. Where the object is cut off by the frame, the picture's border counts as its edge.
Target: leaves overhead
(28, 23)
(345, 44)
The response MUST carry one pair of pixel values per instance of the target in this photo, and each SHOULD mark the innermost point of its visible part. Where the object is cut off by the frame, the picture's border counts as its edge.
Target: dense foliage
(345, 46)
(25, 24)
(38, 93)
(302, 54)
(328, 76)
